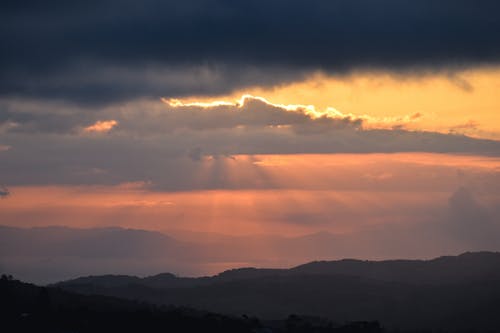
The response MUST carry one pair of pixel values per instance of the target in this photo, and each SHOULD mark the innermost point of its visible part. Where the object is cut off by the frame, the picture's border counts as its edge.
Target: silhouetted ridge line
(28, 308)
(450, 293)
(448, 269)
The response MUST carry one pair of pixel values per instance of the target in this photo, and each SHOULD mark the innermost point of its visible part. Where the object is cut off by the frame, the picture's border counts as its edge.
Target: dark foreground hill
(28, 308)
(451, 293)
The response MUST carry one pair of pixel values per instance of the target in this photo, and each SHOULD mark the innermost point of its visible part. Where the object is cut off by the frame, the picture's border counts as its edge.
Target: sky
(267, 117)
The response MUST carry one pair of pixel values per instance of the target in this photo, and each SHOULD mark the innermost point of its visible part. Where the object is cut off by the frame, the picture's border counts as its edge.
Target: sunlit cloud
(432, 101)
(173, 102)
(368, 122)
(101, 126)
(240, 103)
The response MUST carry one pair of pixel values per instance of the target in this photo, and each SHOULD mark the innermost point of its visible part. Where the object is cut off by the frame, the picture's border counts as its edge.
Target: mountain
(29, 308)
(96, 242)
(467, 267)
(50, 254)
(460, 292)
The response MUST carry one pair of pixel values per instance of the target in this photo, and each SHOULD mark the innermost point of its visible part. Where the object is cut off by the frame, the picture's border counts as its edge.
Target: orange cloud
(387, 100)
(101, 126)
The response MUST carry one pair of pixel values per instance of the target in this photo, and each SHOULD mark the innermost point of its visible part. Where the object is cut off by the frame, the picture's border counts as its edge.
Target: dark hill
(29, 308)
(443, 270)
(451, 293)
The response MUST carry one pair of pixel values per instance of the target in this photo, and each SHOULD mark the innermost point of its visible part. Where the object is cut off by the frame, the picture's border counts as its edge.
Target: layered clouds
(107, 51)
(288, 194)
(157, 141)
(111, 114)
(88, 89)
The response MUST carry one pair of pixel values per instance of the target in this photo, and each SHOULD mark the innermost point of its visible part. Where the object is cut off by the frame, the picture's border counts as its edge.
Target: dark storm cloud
(95, 84)
(115, 50)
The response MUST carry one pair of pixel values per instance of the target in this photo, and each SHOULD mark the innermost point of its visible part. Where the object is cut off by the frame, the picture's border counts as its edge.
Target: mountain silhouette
(452, 293)
(29, 308)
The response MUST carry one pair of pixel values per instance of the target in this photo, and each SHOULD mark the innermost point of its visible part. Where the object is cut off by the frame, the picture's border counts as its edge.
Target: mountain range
(51, 254)
(451, 293)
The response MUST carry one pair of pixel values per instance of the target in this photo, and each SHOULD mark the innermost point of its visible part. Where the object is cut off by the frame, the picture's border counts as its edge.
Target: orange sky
(280, 194)
(460, 101)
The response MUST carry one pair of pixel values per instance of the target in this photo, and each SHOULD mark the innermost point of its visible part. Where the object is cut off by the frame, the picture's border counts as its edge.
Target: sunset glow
(258, 133)
(464, 102)
(101, 126)
(278, 194)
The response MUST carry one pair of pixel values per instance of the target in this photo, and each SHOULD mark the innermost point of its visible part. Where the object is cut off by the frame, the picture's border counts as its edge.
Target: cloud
(213, 46)
(172, 143)
(470, 125)
(460, 82)
(253, 112)
(196, 154)
(4, 148)
(101, 126)
(159, 116)
(4, 192)
(470, 221)
(169, 160)
(416, 115)
(30, 116)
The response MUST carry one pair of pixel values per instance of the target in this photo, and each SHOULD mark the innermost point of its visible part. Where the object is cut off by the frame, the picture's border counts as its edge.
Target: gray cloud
(4, 192)
(94, 85)
(148, 117)
(167, 160)
(471, 222)
(164, 144)
(252, 113)
(215, 46)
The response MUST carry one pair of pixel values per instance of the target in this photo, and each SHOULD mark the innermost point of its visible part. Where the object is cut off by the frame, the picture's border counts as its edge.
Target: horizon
(80, 235)
(239, 269)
